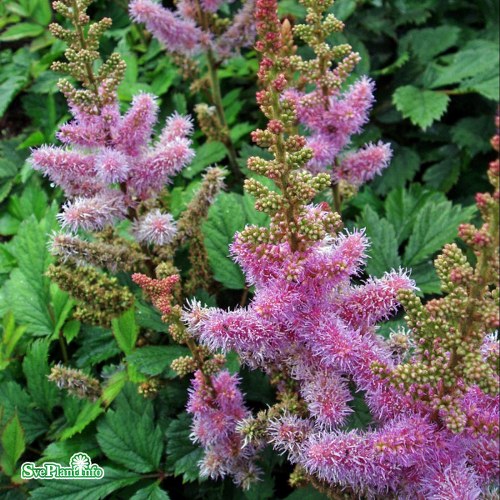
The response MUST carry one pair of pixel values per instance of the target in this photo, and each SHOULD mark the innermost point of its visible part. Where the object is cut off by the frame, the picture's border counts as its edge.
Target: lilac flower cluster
(191, 28)
(217, 406)
(108, 164)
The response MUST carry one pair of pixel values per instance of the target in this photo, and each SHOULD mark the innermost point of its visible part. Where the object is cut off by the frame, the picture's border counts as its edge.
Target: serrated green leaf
(383, 249)
(403, 167)
(444, 174)
(114, 386)
(230, 213)
(403, 205)
(435, 225)
(426, 278)
(60, 451)
(208, 154)
(82, 489)
(20, 31)
(153, 360)
(96, 345)
(307, 493)
(13, 398)
(87, 415)
(151, 492)
(140, 450)
(11, 334)
(13, 445)
(182, 455)
(472, 134)
(443, 37)
(125, 330)
(36, 369)
(421, 106)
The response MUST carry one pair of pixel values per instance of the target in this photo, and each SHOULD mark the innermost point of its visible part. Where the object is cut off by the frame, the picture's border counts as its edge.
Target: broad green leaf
(61, 451)
(421, 106)
(262, 489)
(20, 31)
(426, 278)
(182, 455)
(149, 317)
(36, 369)
(14, 399)
(444, 174)
(139, 450)
(403, 205)
(151, 492)
(153, 360)
(230, 213)
(435, 225)
(11, 334)
(125, 330)
(478, 59)
(206, 155)
(83, 489)
(443, 37)
(383, 249)
(13, 445)
(403, 167)
(472, 134)
(87, 415)
(96, 345)
(9, 89)
(114, 386)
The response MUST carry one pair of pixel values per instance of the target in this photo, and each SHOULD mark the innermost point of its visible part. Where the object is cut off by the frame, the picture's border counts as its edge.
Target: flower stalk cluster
(76, 382)
(314, 331)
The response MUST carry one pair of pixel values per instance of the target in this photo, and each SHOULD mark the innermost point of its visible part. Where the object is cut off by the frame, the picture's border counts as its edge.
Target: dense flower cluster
(308, 322)
(330, 113)
(217, 407)
(194, 26)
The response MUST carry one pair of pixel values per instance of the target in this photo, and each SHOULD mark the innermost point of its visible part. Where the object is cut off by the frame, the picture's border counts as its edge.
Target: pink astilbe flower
(160, 291)
(92, 214)
(363, 165)
(155, 228)
(178, 34)
(121, 152)
(217, 407)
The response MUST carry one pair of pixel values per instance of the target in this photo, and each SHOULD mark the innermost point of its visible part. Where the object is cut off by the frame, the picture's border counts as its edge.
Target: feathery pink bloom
(92, 214)
(156, 228)
(177, 127)
(134, 131)
(363, 165)
(176, 33)
(112, 166)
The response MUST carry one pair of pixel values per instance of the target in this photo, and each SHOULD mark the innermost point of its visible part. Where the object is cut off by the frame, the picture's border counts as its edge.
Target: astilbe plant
(197, 27)
(307, 326)
(111, 169)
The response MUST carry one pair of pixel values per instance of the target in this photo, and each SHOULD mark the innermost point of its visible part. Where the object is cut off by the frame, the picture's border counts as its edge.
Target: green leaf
(403, 205)
(443, 37)
(383, 249)
(96, 345)
(36, 369)
(9, 89)
(208, 154)
(87, 415)
(153, 360)
(435, 225)
(13, 445)
(114, 386)
(426, 278)
(182, 455)
(472, 134)
(60, 451)
(10, 335)
(403, 167)
(139, 450)
(151, 492)
(230, 213)
(422, 107)
(444, 174)
(20, 31)
(83, 489)
(125, 330)
(14, 399)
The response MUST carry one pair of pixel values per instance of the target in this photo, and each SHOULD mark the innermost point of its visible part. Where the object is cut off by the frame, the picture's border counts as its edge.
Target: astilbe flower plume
(306, 320)
(331, 113)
